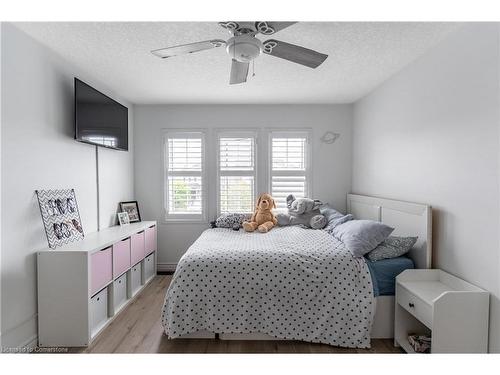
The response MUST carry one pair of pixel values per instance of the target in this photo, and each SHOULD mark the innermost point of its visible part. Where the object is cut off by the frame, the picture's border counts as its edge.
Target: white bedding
(291, 283)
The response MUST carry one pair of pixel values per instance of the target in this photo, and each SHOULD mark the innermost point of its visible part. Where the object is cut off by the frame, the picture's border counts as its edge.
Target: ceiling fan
(243, 47)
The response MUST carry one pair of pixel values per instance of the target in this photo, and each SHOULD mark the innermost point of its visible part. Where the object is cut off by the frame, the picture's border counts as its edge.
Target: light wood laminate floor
(137, 329)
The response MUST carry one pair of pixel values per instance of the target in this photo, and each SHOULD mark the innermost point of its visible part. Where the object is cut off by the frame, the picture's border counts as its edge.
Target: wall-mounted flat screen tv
(99, 120)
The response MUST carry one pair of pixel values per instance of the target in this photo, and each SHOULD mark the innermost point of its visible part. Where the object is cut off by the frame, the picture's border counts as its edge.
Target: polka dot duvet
(290, 283)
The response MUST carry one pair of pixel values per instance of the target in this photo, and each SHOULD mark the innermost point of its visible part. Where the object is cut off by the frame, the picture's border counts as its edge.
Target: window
(184, 185)
(236, 172)
(192, 195)
(289, 166)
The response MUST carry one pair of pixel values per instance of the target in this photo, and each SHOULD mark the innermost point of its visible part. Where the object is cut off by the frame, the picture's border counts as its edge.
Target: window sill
(184, 221)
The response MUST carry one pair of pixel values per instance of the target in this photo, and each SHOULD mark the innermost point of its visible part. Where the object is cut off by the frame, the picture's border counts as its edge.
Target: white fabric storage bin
(149, 266)
(135, 278)
(120, 292)
(98, 311)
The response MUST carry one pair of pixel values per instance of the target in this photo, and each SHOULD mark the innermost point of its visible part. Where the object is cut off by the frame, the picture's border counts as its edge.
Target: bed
(291, 283)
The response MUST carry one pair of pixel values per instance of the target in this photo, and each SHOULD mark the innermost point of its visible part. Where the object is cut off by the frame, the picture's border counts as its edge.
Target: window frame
(307, 173)
(234, 133)
(185, 218)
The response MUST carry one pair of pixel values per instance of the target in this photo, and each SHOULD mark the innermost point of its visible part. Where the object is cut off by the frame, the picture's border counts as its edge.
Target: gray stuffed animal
(302, 211)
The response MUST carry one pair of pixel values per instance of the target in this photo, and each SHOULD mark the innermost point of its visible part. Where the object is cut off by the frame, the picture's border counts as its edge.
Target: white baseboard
(32, 342)
(21, 335)
(166, 267)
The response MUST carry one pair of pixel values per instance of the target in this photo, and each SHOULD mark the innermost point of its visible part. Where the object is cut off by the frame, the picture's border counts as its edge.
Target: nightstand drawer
(414, 305)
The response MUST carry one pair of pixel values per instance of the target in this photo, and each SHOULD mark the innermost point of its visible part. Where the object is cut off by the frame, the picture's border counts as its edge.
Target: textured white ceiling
(361, 56)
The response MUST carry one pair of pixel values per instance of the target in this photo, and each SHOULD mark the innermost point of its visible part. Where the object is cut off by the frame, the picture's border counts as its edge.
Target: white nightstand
(433, 302)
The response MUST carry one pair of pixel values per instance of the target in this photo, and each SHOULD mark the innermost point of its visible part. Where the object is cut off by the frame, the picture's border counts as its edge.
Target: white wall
(1, 126)
(331, 163)
(38, 152)
(430, 134)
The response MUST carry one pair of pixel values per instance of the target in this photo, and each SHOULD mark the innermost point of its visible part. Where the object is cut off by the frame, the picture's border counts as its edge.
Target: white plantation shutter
(289, 154)
(184, 154)
(289, 166)
(236, 154)
(282, 186)
(184, 174)
(236, 172)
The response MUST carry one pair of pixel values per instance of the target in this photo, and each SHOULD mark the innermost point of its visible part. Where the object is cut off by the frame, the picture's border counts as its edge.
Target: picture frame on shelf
(60, 216)
(123, 218)
(132, 209)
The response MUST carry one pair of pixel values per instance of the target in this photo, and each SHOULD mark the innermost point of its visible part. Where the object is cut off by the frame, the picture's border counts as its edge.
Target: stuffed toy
(262, 218)
(230, 220)
(302, 211)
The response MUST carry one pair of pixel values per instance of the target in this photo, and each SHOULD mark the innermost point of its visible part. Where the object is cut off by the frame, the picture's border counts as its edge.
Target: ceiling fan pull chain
(253, 68)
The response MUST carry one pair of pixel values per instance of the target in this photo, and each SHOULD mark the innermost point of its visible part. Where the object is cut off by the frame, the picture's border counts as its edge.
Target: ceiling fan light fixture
(244, 48)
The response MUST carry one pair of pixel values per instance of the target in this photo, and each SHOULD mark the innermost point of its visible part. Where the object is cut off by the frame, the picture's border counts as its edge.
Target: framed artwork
(132, 209)
(60, 216)
(123, 218)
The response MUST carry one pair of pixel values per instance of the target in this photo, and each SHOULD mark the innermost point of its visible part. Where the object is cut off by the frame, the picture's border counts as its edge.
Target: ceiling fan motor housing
(244, 48)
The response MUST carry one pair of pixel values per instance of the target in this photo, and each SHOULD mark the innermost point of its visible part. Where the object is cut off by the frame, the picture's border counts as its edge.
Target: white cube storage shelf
(83, 285)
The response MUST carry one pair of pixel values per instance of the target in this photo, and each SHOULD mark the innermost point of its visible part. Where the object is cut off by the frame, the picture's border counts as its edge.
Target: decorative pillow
(333, 217)
(231, 220)
(361, 236)
(392, 247)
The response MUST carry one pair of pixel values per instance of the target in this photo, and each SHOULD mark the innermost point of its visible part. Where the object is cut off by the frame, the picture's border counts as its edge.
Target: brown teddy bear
(262, 218)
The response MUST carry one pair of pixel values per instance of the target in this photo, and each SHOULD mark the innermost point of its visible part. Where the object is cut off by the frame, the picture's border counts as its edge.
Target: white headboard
(408, 219)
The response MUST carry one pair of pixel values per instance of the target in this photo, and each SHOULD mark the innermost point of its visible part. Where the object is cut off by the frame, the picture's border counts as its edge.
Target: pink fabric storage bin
(121, 257)
(150, 234)
(137, 247)
(100, 269)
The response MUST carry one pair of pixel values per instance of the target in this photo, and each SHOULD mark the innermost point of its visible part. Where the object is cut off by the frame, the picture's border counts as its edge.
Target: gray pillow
(333, 217)
(392, 247)
(361, 236)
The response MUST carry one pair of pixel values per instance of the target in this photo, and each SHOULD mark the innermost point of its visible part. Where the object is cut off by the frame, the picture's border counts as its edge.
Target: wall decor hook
(329, 137)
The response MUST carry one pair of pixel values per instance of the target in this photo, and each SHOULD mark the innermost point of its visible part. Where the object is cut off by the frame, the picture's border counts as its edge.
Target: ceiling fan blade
(271, 27)
(188, 48)
(294, 53)
(230, 26)
(239, 72)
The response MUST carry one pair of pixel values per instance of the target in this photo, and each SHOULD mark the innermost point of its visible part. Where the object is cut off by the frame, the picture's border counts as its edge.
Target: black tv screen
(99, 120)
